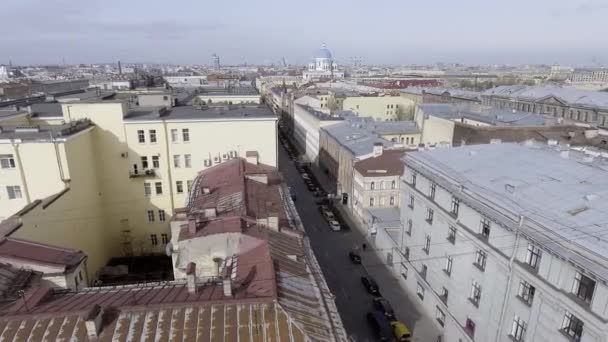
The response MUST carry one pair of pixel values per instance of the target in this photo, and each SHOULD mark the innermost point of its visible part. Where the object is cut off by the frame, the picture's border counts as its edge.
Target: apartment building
(381, 108)
(504, 242)
(126, 169)
(307, 124)
(582, 106)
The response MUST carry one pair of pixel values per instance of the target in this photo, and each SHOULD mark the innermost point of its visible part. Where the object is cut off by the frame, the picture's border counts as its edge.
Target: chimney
(227, 282)
(192, 227)
(252, 157)
(93, 322)
(273, 222)
(206, 190)
(191, 277)
(378, 149)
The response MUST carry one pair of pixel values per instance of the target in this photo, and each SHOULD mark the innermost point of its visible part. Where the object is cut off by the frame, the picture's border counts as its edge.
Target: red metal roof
(12, 249)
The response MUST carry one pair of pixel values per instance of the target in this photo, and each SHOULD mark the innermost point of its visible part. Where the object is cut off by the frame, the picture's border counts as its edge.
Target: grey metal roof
(461, 93)
(47, 109)
(5, 114)
(489, 115)
(359, 134)
(562, 195)
(44, 132)
(192, 113)
(571, 96)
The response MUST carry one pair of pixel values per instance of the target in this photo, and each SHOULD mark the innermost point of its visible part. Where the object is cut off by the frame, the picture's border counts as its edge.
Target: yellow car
(401, 332)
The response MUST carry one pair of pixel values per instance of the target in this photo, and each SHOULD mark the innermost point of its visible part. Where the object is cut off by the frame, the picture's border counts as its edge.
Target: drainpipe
(509, 278)
(169, 159)
(58, 157)
(26, 190)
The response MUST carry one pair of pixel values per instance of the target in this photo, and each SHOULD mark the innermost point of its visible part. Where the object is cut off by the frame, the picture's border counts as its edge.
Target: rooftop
(387, 164)
(569, 96)
(561, 192)
(359, 134)
(488, 115)
(206, 113)
(455, 92)
(46, 109)
(84, 96)
(225, 91)
(44, 132)
(29, 252)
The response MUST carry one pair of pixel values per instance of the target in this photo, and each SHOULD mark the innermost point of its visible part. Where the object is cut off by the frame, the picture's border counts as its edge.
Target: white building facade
(502, 258)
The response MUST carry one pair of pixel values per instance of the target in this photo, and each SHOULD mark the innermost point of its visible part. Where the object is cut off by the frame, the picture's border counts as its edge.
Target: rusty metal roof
(23, 251)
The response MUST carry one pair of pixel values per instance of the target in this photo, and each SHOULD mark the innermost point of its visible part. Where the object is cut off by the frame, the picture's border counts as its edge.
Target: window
(427, 244)
(179, 186)
(187, 160)
(147, 189)
(189, 185)
(533, 256)
(165, 98)
(372, 186)
(414, 179)
(393, 184)
(429, 215)
(164, 238)
(452, 234)
(159, 188)
(141, 137)
(448, 264)
(420, 291)
(152, 135)
(174, 135)
(432, 191)
(411, 205)
(176, 160)
(572, 326)
(583, 287)
(156, 162)
(7, 161)
(475, 293)
(409, 227)
(423, 271)
(154, 239)
(444, 296)
(440, 316)
(14, 192)
(161, 216)
(485, 227)
(150, 215)
(469, 326)
(406, 253)
(403, 271)
(455, 206)
(392, 200)
(518, 329)
(526, 292)
(186, 135)
(480, 259)
(144, 162)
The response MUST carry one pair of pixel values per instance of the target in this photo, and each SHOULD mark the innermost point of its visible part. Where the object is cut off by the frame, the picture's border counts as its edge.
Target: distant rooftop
(46, 109)
(385, 165)
(489, 115)
(87, 95)
(206, 113)
(560, 192)
(225, 91)
(571, 96)
(454, 92)
(43, 132)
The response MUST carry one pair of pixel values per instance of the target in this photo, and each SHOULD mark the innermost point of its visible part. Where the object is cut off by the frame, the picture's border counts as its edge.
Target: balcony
(143, 173)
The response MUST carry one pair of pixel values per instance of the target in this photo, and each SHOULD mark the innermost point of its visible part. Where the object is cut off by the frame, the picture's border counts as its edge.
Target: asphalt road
(331, 249)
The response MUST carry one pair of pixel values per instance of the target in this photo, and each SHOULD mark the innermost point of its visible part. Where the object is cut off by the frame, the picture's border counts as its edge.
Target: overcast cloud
(263, 31)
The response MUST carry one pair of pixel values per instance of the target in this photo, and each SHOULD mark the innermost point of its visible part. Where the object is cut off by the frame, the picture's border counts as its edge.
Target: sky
(568, 32)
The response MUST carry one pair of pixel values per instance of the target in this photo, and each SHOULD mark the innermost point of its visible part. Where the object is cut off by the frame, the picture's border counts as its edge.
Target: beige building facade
(382, 108)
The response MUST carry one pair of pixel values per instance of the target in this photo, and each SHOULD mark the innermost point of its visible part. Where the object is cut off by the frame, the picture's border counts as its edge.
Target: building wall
(416, 98)
(406, 139)
(499, 279)
(434, 130)
(306, 132)
(385, 188)
(155, 100)
(379, 107)
(233, 99)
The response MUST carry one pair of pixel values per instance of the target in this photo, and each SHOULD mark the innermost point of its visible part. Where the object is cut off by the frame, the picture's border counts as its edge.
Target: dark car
(355, 258)
(370, 285)
(380, 325)
(383, 305)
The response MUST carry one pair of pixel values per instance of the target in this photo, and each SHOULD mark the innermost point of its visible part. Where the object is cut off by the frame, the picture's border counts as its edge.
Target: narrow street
(343, 278)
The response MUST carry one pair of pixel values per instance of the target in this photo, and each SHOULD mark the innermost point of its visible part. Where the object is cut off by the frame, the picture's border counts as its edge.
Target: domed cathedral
(322, 67)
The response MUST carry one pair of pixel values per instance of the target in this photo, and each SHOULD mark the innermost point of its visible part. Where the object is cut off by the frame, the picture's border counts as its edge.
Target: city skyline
(385, 32)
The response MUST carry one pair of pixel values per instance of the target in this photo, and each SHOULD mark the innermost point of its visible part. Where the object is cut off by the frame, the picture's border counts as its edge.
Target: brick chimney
(378, 148)
(93, 321)
(191, 277)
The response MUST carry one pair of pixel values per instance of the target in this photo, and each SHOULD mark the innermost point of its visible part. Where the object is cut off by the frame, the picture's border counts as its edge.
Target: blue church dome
(323, 52)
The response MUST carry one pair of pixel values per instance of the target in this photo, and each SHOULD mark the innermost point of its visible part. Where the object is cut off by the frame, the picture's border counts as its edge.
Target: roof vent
(93, 321)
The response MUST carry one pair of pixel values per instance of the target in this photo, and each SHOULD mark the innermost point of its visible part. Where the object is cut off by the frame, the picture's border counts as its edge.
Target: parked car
(334, 225)
(322, 201)
(383, 305)
(370, 285)
(329, 215)
(354, 256)
(305, 176)
(380, 326)
(401, 332)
